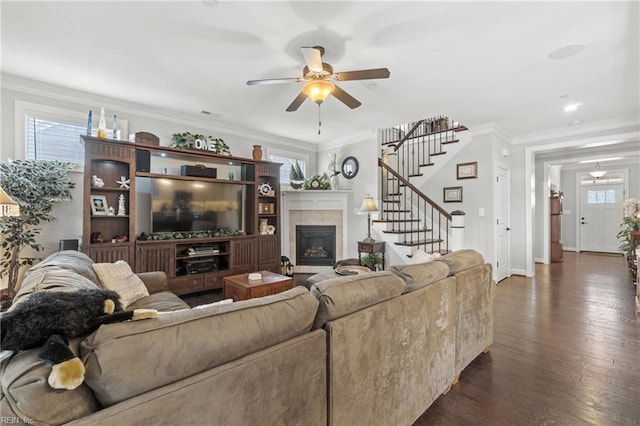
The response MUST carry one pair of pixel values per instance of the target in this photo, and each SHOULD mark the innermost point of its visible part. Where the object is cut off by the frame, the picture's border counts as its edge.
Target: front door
(600, 217)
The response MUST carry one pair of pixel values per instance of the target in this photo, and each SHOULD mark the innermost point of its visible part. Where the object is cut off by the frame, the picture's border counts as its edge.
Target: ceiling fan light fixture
(598, 172)
(318, 90)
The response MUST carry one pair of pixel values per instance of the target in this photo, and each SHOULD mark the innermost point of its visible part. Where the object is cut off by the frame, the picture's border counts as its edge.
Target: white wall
(363, 184)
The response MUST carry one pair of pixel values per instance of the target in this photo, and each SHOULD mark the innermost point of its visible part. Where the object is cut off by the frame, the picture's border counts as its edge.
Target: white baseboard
(522, 272)
(569, 248)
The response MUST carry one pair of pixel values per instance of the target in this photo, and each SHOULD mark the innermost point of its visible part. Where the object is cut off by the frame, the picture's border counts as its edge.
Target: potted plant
(371, 261)
(630, 223)
(35, 185)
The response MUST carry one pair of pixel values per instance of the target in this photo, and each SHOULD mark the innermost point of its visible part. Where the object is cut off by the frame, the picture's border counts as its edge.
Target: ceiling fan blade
(362, 74)
(297, 102)
(313, 58)
(273, 81)
(345, 98)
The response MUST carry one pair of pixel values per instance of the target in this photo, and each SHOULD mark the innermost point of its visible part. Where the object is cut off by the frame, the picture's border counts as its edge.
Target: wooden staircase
(409, 220)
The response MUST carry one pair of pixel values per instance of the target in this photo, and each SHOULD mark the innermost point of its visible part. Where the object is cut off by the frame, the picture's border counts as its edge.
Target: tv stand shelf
(226, 204)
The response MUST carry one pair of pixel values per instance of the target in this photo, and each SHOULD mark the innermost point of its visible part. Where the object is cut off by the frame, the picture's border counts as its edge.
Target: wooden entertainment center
(174, 216)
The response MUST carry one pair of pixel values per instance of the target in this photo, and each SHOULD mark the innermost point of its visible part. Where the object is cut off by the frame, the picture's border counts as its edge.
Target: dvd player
(199, 266)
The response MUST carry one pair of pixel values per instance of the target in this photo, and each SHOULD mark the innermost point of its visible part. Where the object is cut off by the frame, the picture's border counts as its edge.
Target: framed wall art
(452, 194)
(99, 205)
(467, 170)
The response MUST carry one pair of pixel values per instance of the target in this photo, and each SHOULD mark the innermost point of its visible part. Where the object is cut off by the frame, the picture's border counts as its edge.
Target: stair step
(419, 242)
(438, 153)
(396, 211)
(451, 141)
(391, 201)
(408, 231)
(394, 220)
(394, 194)
(426, 164)
(416, 175)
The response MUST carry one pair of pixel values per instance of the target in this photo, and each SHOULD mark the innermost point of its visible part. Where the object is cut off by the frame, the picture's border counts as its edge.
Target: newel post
(457, 230)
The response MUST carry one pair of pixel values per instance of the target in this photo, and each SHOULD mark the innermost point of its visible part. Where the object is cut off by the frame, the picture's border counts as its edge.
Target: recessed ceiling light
(566, 51)
(572, 107)
(575, 122)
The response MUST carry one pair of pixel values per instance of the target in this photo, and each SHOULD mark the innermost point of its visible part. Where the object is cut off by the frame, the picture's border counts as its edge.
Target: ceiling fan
(317, 76)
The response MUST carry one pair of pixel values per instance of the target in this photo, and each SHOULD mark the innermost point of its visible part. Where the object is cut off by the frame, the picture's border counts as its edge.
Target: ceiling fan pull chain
(319, 118)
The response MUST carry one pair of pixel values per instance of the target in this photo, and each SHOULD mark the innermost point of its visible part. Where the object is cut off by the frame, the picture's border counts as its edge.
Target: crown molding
(604, 127)
(86, 99)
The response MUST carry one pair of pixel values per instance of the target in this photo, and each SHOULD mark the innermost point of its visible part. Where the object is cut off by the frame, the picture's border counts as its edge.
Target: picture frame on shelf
(452, 194)
(467, 170)
(99, 205)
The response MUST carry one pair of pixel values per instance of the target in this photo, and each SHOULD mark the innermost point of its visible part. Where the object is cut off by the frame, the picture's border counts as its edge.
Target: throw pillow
(120, 278)
(421, 256)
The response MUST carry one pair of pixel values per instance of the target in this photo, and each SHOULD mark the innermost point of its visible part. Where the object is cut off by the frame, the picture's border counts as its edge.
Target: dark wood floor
(566, 351)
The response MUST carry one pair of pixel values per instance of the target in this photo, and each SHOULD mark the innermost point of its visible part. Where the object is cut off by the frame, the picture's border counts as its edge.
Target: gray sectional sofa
(375, 349)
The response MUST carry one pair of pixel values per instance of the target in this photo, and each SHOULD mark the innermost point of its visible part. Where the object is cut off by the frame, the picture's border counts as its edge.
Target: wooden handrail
(419, 193)
(408, 135)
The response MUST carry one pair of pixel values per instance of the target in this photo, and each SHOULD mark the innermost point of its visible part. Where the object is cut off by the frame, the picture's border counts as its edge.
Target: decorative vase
(334, 182)
(257, 152)
(264, 227)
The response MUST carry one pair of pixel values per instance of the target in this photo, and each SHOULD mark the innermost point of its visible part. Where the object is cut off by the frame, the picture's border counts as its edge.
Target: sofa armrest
(155, 281)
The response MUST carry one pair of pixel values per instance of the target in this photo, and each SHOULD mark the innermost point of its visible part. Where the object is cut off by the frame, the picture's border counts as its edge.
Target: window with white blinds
(287, 163)
(49, 139)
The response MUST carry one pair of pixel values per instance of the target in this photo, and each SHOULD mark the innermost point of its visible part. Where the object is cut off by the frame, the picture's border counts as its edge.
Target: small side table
(239, 287)
(371, 248)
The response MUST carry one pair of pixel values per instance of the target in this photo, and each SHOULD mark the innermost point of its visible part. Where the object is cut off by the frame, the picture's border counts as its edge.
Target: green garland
(211, 233)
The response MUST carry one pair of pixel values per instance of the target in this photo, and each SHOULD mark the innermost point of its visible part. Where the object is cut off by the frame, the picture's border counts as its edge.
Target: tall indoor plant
(630, 223)
(35, 185)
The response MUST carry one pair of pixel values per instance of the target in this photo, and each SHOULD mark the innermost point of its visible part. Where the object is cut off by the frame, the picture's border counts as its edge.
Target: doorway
(502, 234)
(600, 216)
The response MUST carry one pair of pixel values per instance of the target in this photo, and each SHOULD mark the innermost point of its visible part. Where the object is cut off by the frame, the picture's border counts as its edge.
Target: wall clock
(350, 167)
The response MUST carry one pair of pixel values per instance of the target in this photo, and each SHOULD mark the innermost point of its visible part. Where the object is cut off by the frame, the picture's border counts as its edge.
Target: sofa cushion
(26, 394)
(120, 278)
(461, 260)
(420, 275)
(165, 301)
(341, 296)
(62, 271)
(126, 359)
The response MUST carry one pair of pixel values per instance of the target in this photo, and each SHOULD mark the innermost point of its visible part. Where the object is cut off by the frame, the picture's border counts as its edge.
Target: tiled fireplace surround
(314, 208)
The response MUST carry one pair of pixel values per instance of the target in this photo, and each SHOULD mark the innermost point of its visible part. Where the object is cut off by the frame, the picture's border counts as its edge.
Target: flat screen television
(189, 206)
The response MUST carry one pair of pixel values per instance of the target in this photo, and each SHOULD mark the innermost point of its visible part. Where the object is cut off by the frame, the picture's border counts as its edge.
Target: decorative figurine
(96, 182)
(121, 211)
(124, 182)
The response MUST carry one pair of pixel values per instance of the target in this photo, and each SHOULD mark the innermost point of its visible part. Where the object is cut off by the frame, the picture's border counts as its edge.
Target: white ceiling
(476, 62)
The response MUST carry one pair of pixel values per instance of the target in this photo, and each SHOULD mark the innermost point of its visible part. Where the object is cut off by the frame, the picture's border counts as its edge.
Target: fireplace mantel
(308, 202)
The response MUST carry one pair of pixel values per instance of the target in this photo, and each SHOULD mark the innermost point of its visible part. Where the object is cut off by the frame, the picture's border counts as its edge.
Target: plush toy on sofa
(50, 318)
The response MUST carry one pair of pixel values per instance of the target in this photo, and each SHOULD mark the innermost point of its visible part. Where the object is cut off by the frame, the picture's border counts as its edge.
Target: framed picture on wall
(467, 170)
(453, 194)
(99, 205)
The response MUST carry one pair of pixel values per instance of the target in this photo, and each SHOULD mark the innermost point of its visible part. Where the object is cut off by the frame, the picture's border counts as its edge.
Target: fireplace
(315, 245)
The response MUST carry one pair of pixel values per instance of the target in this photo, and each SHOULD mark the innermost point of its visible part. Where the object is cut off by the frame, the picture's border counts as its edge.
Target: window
(601, 196)
(49, 139)
(287, 163)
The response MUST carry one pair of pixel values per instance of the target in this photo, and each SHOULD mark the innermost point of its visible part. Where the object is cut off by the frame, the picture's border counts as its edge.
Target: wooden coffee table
(239, 287)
